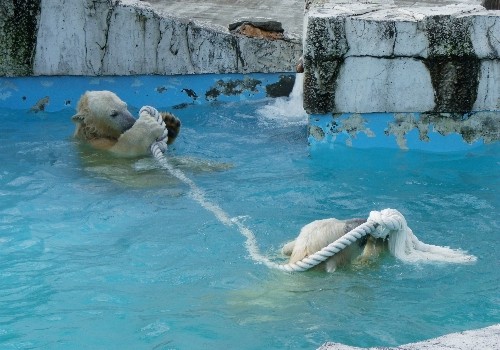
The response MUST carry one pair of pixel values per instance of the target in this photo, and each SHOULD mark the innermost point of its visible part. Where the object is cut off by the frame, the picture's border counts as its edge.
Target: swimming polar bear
(320, 233)
(401, 243)
(103, 121)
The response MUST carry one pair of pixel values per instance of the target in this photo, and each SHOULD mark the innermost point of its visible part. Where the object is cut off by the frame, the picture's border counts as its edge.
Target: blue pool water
(100, 253)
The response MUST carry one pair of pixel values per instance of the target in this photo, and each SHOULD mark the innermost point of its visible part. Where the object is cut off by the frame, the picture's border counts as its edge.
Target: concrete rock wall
(379, 57)
(18, 34)
(128, 37)
(359, 57)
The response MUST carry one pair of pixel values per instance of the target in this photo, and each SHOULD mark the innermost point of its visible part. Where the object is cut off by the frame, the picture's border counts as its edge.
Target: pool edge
(482, 338)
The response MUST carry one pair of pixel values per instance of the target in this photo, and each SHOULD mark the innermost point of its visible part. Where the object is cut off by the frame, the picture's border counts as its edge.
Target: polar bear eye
(114, 114)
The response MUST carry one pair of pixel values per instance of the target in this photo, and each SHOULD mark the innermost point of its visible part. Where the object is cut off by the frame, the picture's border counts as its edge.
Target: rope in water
(379, 224)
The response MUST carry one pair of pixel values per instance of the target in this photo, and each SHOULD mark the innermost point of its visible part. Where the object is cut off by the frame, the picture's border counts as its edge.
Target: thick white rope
(379, 224)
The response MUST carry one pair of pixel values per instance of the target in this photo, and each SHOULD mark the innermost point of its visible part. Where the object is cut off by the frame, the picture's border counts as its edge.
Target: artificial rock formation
(127, 37)
(380, 57)
(18, 35)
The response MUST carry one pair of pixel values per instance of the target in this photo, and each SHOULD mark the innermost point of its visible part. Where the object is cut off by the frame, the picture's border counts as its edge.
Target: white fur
(403, 244)
(138, 139)
(317, 235)
(103, 121)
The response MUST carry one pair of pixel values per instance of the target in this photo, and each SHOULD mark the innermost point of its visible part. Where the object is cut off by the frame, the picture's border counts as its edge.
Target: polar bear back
(315, 236)
(320, 233)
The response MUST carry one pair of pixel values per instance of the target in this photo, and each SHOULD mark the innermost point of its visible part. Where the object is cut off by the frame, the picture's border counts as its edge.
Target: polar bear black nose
(125, 120)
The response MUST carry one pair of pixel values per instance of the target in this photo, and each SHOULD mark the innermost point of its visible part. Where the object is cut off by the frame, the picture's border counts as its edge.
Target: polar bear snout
(124, 119)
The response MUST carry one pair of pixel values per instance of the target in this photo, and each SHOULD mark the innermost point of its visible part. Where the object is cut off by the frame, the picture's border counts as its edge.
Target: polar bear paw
(153, 113)
(173, 124)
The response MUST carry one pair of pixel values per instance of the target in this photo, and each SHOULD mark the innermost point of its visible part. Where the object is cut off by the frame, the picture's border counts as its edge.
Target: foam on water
(286, 110)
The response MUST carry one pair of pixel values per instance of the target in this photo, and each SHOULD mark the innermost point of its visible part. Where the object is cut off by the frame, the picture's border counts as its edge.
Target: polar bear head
(101, 115)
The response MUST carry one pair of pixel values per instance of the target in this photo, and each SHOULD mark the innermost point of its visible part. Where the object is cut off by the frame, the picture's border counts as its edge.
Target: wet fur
(320, 233)
(95, 126)
(92, 129)
(173, 125)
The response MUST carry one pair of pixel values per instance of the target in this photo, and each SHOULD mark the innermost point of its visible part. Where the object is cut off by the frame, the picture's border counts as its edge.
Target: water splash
(405, 246)
(286, 110)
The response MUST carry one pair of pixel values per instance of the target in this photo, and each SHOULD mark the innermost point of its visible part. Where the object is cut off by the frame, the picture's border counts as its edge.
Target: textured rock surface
(18, 34)
(485, 338)
(129, 37)
(384, 57)
(258, 29)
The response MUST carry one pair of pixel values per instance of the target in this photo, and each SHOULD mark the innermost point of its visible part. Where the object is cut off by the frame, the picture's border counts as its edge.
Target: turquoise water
(100, 253)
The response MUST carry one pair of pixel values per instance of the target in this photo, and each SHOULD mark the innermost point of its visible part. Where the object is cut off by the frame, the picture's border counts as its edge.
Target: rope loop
(385, 221)
(161, 142)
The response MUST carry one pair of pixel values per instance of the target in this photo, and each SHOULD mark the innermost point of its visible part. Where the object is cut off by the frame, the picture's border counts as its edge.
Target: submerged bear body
(320, 233)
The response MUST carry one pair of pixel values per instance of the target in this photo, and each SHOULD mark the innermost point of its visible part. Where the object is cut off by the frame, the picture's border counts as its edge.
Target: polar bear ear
(81, 109)
(78, 118)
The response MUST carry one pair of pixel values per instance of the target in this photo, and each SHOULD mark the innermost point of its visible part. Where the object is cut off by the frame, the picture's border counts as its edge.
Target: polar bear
(320, 233)
(103, 121)
(398, 240)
